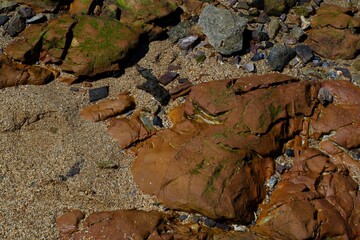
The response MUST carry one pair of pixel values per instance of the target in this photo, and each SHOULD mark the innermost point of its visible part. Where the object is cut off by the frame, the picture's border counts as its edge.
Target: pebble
(3, 19)
(263, 18)
(258, 57)
(96, 94)
(168, 77)
(75, 169)
(333, 74)
(325, 96)
(304, 52)
(259, 36)
(280, 168)
(223, 226)
(182, 217)
(290, 152)
(181, 30)
(273, 28)
(273, 181)
(188, 42)
(26, 11)
(157, 121)
(345, 72)
(305, 24)
(156, 90)
(298, 33)
(250, 67)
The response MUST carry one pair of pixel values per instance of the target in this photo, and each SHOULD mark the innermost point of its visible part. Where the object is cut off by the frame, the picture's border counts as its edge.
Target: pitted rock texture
(316, 199)
(217, 162)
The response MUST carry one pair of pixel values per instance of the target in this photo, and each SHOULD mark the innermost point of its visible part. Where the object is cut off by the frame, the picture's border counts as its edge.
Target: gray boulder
(223, 28)
(280, 56)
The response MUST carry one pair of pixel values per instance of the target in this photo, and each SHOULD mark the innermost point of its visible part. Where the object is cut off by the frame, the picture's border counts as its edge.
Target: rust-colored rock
(322, 42)
(14, 74)
(68, 223)
(315, 199)
(108, 108)
(128, 131)
(211, 164)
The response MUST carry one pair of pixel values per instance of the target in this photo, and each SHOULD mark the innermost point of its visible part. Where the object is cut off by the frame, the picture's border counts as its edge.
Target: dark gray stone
(291, 3)
(223, 28)
(280, 56)
(157, 121)
(26, 11)
(325, 96)
(290, 152)
(7, 6)
(75, 169)
(3, 19)
(298, 33)
(304, 52)
(96, 94)
(179, 31)
(345, 72)
(15, 25)
(259, 36)
(258, 57)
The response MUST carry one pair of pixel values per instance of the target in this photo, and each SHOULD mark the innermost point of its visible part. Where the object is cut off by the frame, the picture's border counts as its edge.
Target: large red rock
(316, 199)
(217, 162)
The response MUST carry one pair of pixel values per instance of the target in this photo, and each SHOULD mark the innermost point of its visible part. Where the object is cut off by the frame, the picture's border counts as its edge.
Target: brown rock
(80, 6)
(41, 5)
(127, 131)
(68, 223)
(322, 42)
(108, 108)
(315, 200)
(335, 16)
(211, 164)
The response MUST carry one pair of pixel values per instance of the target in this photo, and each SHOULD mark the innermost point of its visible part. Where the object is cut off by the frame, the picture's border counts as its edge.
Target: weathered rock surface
(108, 108)
(280, 56)
(315, 199)
(275, 7)
(223, 28)
(212, 164)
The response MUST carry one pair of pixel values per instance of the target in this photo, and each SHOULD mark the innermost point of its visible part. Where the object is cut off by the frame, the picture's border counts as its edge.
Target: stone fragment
(15, 25)
(40, 6)
(250, 67)
(280, 56)
(168, 77)
(26, 11)
(153, 87)
(275, 7)
(68, 223)
(273, 28)
(223, 28)
(7, 6)
(181, 30)
(187, 43)
(181, 90)
(304, 52)
(3, 19)
(297, 33)
(97, 94)
(108, 108)
(36, 19)
(325, 96)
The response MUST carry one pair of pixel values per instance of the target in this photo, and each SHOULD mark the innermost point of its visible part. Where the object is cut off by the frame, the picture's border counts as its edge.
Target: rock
(223, 28)
(316, 199)
(257, 57)
(181, 90)
(273, 28)
(157, 121)
(181, 30)
(275, 7)
(7, 6)
(250, 67)
(26, 11)
(168, 77)
(335, 16)
(304, 52)
(68, 223)
(226, 127)
(14, 74)
(259, 36)
(187, 43)
(3, 19)
(81, 7)
(97, 94)
(263, 18)
(115, 225)
(40, 6)
(15, 25)
(297, 33)
(108, 108)
(279, 57)
(256, 3)
(153, 87)
(36, 19)
(325, 96)
(75, 169)
(127, 131)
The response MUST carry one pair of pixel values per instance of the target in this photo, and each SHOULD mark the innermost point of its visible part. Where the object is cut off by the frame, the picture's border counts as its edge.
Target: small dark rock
(241, 5)
(258, 57)
(26, 11)
(179, 31)
(263, 18)
(146, 73)
(332, 74)
(290, 152)
(259, 36)
(182, 217)
(168, 77)
(96, 94)
(172, 67)
(273, 181)
(327, 64)
(318, 2)
(15, 25)
(74, 89)
(223, 226)
(62, 178)
(280, 56)
(345, 72)
(268, 44)
(325, 96)
(157, 121)
(156, 90)
(298, 33)
(209, 222)
(183, 80)
(7, 6)
(254, 12)
(75, 169)
(259, 4)
(304, 52)
(3, 19)
(280, 168)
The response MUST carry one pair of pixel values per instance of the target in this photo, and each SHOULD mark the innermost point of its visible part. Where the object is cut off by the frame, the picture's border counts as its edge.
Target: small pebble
(75, 169)
(324, 96)
(96, 94)
(209, 222)
(345, 72)
(290, 152)
(157, 121)
(3, 19)
(280, 168)
(250, 67)
(272, 181)
(187, 43)
(168, 78)
(258, 57)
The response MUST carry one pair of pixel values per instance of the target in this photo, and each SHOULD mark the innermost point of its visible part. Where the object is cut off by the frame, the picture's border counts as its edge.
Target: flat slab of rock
(108, 108)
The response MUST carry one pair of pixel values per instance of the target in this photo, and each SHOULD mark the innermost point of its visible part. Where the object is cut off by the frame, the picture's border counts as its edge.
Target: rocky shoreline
(179, 119)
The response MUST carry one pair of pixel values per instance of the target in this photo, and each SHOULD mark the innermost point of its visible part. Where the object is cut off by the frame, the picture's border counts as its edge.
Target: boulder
(280, 56)
(223, 28)
(216, 163)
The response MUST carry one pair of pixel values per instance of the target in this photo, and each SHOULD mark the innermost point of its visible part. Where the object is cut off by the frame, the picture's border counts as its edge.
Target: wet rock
(275, 7)
(97, 94)
(7, 6)
(108, 108)
(335, 16)
(127, 131)
(218, 139)
(15, 25)
(3, 19)
(279, 57)
(26, 11)
(168, 78)
(316, 199)
(14, 74)
(223, 28)
(304, 52)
